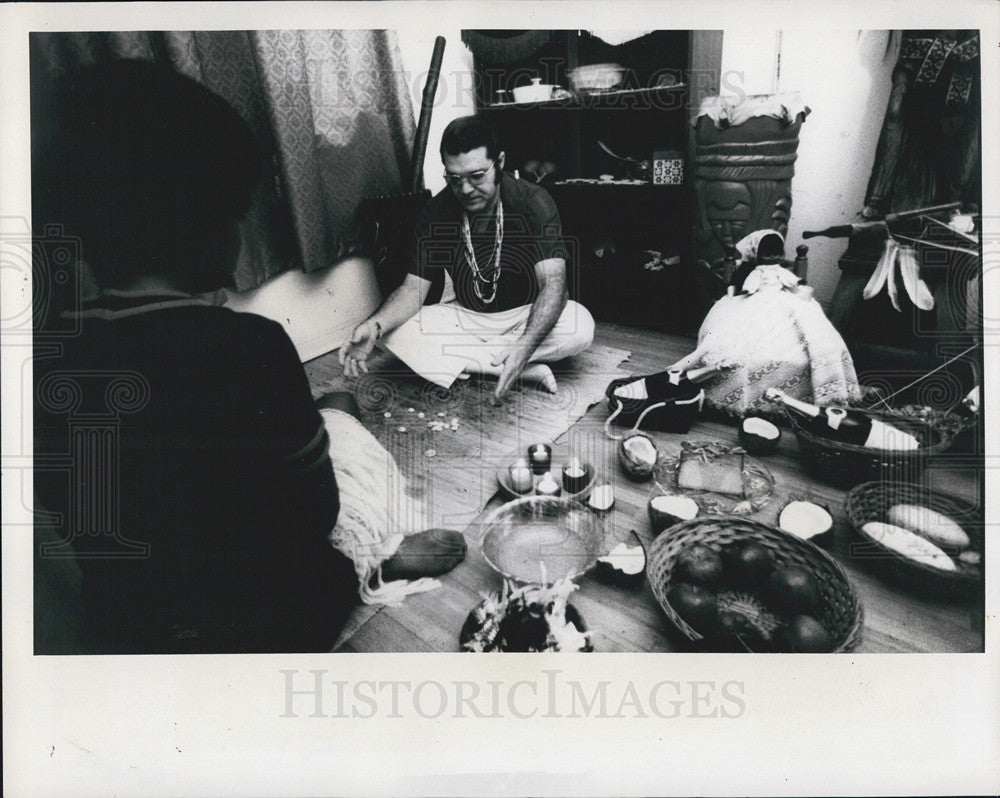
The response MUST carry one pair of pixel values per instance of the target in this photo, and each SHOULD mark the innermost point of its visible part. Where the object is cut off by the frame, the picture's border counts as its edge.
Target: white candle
(520, 477)
(547, 485)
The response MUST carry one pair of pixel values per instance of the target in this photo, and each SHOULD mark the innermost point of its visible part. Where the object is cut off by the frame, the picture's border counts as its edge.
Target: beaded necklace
(487, 283)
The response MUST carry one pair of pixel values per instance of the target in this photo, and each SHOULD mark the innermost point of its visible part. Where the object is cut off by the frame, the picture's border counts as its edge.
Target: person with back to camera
(225, 478)
(489, 254)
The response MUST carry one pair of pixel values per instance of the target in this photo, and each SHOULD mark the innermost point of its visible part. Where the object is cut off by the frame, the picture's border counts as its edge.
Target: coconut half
(665, 511)
(807, 521)
(602, 498)
(624, 564)
(758, 435)
(640, 449)
(637, 455)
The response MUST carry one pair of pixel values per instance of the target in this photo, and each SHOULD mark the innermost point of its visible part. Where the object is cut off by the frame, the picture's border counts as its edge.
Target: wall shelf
(657, 98)
(636, 120)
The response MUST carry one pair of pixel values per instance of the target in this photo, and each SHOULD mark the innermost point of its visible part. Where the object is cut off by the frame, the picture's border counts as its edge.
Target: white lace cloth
(376, 512)
(772, 337)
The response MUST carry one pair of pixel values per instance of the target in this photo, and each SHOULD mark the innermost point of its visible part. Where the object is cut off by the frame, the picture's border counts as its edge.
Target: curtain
(505, 46)
(332, 109)
(928, 151)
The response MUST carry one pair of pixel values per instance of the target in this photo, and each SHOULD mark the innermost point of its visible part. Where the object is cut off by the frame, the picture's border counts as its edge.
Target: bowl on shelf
(596, 78)
(542, 539)
(534, 92)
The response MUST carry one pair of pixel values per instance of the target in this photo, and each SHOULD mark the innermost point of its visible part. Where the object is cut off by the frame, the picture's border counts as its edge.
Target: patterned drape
(331, 107)
(928, 152)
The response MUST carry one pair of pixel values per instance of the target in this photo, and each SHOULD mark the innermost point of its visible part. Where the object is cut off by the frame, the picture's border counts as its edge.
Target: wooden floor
(630, 620)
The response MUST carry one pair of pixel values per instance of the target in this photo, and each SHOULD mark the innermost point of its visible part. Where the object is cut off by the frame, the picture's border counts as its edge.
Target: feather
(890, 280)
(917, 289)
(878, 278)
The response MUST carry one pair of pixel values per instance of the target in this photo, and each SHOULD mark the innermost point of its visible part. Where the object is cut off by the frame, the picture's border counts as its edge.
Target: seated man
(177, 445)
(503, 309)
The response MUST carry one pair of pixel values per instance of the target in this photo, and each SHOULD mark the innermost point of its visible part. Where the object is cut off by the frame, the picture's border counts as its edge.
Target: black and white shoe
(666, 401)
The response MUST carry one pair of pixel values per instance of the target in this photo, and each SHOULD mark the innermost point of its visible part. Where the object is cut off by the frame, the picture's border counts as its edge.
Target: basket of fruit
(731, 584)
(928, 541)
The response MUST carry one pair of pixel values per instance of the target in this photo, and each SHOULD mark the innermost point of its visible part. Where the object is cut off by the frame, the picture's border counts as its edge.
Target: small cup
(576, 475)
(540, 458)
(521, 479)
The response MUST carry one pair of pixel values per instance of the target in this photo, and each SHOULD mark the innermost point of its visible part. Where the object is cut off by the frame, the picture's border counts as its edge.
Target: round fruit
(792, 590)
(805, 635)
(700, 565)
(746, 565)
(696, 605)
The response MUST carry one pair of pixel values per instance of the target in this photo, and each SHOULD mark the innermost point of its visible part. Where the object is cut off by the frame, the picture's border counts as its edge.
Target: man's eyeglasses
(475, 179)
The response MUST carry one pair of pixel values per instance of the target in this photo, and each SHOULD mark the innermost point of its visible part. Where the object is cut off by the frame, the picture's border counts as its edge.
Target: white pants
(443, 340)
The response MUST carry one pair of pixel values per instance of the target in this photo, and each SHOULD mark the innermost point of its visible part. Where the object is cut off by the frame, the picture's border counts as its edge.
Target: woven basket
(846, 464)
(841, 613)
(871, 502)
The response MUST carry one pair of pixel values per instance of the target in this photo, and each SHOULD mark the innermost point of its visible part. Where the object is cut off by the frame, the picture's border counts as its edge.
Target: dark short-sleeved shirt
(532, 233)
(190, 429)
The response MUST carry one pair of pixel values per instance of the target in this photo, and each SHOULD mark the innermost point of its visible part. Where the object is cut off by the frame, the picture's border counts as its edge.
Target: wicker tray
(871, 502)
(846, 464)
(841, 613)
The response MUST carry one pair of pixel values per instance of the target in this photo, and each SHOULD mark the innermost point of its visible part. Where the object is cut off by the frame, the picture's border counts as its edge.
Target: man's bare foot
(429, 553)
(541, 375)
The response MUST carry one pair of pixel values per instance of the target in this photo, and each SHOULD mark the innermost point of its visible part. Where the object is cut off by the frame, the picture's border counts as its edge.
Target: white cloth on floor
(443, 340)
(376, 512)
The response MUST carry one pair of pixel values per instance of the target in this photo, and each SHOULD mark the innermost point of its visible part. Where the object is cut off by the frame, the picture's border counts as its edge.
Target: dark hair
(468, 133)
(150, 169)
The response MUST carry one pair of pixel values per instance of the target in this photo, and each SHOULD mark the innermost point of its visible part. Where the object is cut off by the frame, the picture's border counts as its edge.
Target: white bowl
(596, 77)
(533, 93)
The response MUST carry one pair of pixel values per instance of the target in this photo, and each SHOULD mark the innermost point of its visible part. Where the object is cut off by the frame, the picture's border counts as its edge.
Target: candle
(547, 485)
(576, 475)
(540, 457)
(521, 480)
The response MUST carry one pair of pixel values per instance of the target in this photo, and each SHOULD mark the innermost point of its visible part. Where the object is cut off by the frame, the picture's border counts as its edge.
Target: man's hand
(354, 352)
(511, 362)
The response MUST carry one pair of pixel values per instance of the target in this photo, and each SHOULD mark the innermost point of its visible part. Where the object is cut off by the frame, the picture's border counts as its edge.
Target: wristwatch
(378, 331)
